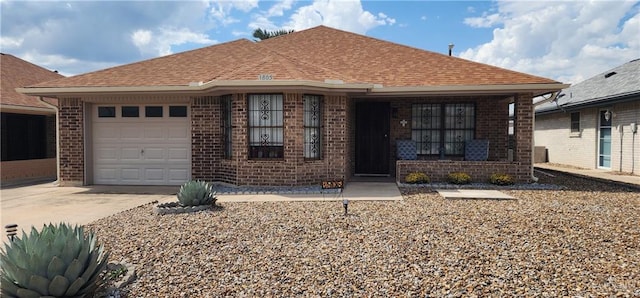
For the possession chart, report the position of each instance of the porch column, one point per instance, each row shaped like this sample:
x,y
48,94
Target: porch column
x,y
71,142
524,135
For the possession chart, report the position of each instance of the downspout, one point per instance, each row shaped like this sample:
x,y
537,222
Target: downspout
x,y
553,97
57,182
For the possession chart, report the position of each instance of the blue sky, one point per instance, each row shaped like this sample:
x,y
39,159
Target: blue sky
x,y
563,40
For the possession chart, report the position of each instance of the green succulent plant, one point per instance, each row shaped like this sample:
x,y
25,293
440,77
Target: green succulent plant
x,y
59,261
196,193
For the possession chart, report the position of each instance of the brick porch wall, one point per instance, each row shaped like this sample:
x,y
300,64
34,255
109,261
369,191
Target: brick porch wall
x,y
71,142
206,138
480,171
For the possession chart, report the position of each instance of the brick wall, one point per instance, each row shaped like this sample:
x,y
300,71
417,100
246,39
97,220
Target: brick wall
x,y
71,124
206,138
19,170
523,130
480,171
208,161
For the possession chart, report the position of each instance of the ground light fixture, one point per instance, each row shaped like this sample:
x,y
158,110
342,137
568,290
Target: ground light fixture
x,y
345,204
12,230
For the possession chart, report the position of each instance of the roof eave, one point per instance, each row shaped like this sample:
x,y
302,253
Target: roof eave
x,y
598,102
506,89
249,85
196,88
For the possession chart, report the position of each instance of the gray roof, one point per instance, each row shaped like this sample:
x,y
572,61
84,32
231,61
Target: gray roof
x,y
615,85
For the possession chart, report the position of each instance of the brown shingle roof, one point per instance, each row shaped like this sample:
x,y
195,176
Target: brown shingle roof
x,y
19,73
315,54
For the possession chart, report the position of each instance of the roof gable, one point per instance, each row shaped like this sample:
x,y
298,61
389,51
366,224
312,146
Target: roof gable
x,y
19,73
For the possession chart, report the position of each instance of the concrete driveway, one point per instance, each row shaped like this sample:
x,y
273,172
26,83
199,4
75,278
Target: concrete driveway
x,y
36,205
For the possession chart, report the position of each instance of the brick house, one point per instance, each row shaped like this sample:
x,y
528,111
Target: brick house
x,y
28,124
594,124
319,104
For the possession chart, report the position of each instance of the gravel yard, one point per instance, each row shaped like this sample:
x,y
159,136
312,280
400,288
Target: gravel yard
x,y
581,241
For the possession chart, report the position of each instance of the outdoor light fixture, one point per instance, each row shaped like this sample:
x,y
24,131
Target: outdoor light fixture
x,y
607,115
12,230
345,204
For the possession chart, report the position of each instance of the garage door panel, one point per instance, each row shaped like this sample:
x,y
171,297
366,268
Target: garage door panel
x,y
154,174
141,151
178,154
154,133
178,133
106,154
131,133
178,175
130,174
154,154
130,154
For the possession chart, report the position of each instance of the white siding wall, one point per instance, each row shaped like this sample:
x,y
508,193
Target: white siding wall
x,y
581,150
629,157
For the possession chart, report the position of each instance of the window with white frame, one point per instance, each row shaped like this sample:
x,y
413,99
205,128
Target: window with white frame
x,y
436,127
312,126
266,126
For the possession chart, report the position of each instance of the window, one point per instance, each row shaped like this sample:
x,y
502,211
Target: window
x,y
130,111
23,137
177,111
226,109
106,112
442,126
575,122
312,123
153,112
266,129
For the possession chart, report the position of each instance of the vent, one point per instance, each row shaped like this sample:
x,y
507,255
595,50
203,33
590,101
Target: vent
x,y
610,74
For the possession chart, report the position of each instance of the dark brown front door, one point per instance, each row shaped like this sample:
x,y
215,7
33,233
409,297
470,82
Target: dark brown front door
x,y
372,138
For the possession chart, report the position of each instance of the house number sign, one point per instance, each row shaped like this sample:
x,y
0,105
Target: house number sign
x,y
265,77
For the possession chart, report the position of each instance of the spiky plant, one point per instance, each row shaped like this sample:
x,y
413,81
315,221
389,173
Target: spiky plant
x,y
196,193
59,261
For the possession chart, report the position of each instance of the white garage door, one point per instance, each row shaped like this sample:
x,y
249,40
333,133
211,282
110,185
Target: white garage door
x,y
141,144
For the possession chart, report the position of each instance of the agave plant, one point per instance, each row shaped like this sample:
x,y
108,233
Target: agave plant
x,y
59,261
196,193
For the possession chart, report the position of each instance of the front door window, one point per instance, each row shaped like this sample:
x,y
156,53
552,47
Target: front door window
x,y
604,140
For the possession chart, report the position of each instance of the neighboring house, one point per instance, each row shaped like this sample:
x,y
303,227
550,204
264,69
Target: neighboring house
x,y
594,124
28,124
298,109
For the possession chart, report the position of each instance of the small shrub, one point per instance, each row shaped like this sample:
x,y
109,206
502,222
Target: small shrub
x,y
417,178
459,178
501,179
196,193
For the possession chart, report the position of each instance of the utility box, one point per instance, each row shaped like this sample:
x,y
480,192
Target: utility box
x,y
540,154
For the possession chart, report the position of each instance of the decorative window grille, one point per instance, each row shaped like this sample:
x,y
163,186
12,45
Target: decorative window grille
x,y
266,129
312,125
225,102
442,128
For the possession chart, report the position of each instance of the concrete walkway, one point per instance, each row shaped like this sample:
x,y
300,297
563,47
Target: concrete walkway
x,y
602,175
39,204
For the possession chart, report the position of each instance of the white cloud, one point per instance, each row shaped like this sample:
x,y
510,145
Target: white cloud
x,y
279,8
341,14
221,10
65,65
424,18
10,42
485,21
566,41
160,44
